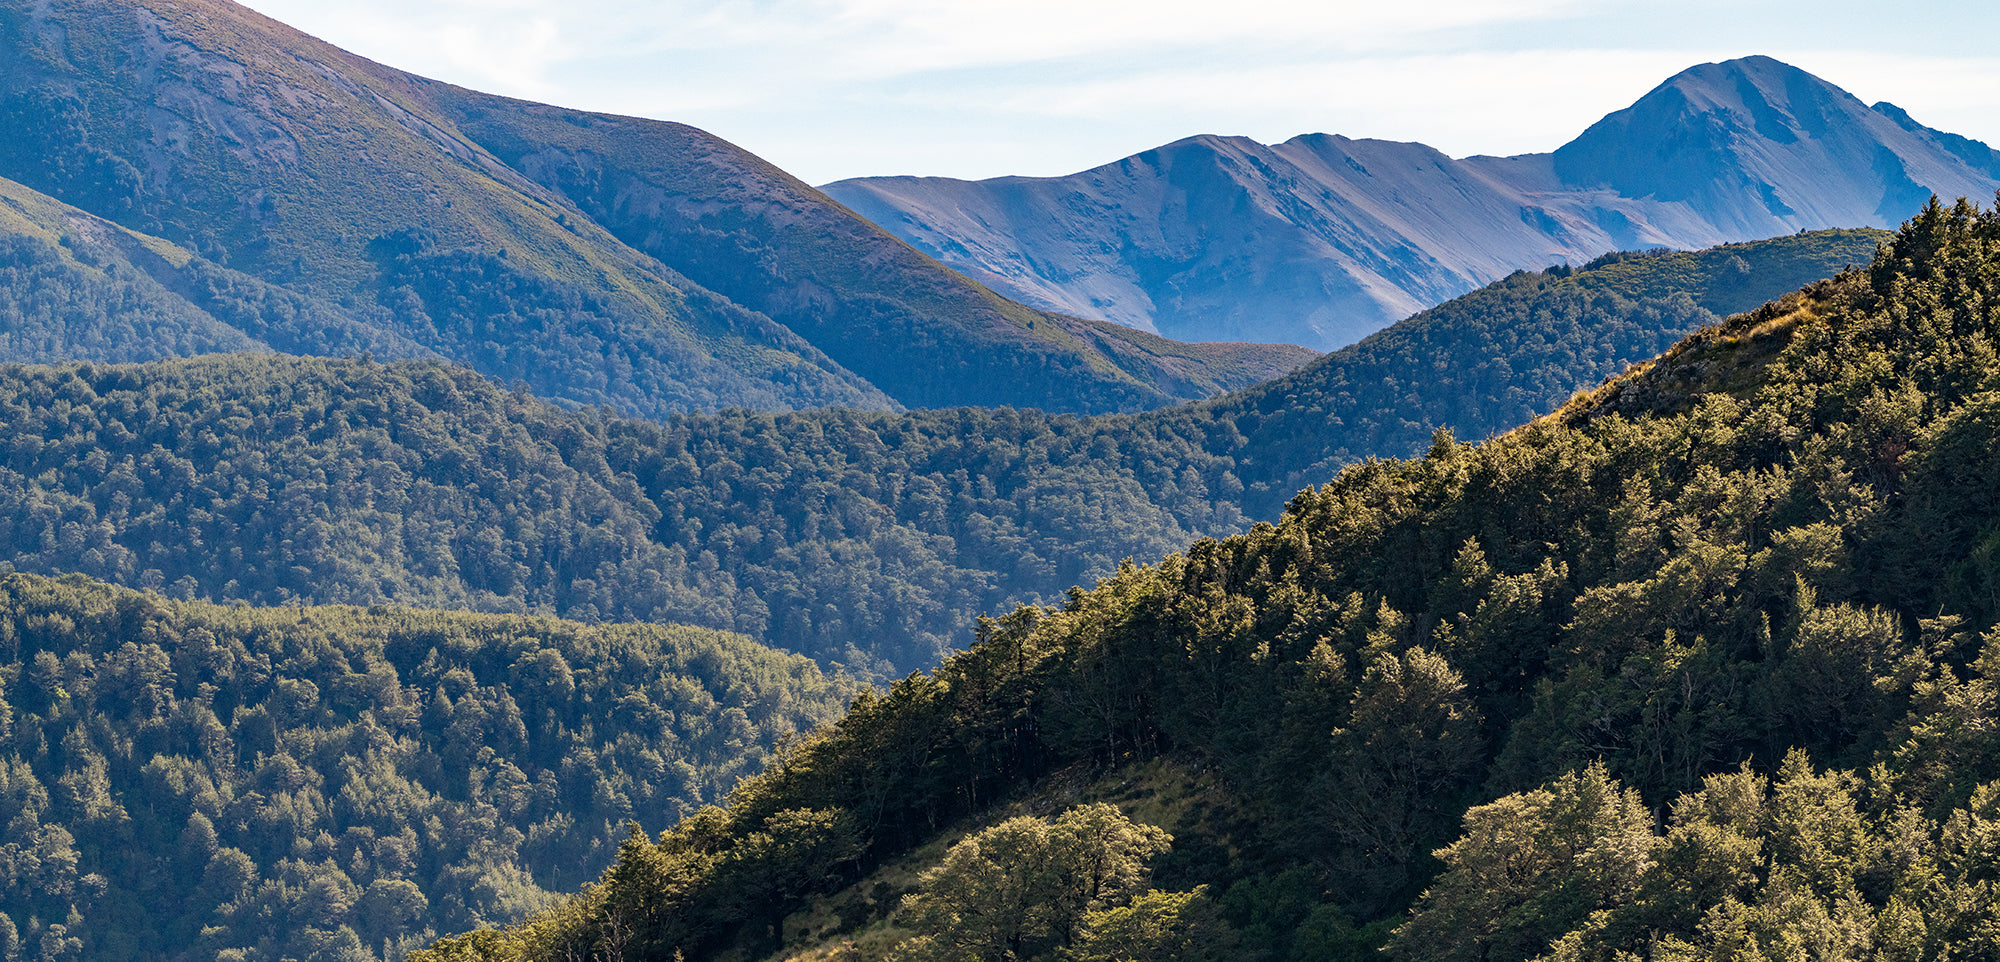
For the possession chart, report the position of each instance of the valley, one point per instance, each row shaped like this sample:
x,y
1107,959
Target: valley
x,y
866,539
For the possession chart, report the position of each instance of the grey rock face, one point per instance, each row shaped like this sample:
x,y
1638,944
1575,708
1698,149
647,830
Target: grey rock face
x,y
1322,239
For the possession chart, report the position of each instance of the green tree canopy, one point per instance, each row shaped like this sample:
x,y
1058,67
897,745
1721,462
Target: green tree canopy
x,y
1027,886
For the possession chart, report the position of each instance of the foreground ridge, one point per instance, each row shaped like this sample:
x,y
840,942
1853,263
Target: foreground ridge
x,y
1761,604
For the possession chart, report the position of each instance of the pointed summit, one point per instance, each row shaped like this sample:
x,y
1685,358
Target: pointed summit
x,y
1758,147
1323,239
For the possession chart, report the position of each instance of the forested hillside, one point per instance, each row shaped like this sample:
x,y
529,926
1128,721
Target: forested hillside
x,y
849,536
1491,360
74,287
186,781
1701,666
871,539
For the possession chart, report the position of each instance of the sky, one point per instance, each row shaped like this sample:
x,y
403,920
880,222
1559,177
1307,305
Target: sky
x,y
830,89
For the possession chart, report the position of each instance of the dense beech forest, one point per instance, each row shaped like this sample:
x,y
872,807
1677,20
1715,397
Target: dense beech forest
x,y
1491,360
865,538
1703,665
86,298
181,780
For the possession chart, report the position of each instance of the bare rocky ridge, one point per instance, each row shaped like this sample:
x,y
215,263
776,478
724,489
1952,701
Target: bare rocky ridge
x,y
1323,239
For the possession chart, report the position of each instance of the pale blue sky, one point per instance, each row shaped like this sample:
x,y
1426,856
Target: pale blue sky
x,y
829,89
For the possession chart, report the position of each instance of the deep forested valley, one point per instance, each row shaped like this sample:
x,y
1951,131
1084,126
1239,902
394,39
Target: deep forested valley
x,y
863,538
1702,665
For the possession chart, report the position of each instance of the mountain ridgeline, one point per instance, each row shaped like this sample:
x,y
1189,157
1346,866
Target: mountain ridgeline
x,y
1324,239
864,538
1704,664
264,187
1491,360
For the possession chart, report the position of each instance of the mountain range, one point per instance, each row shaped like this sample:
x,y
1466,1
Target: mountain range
x,y
263,190
1323,239
643,265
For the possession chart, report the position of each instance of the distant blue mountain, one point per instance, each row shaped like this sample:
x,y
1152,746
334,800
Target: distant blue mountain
x,y
1321,240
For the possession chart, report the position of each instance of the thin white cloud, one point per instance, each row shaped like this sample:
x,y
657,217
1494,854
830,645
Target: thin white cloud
x,y
504,46
1459,103
889,36
838,88
900,37
517,54
868,39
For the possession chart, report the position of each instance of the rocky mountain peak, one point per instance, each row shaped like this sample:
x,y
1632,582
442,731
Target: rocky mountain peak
x,y
1322,239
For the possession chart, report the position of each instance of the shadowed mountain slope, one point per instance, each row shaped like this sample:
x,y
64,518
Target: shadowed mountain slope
x,y
261,149
733,222
258,147
1323,239
76,287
